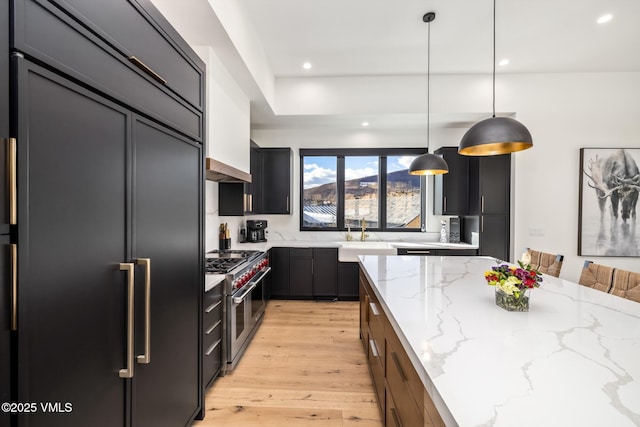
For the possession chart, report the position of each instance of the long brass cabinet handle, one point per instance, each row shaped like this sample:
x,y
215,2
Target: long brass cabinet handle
x,y
144,67
146,357
13,182
14,286
129,268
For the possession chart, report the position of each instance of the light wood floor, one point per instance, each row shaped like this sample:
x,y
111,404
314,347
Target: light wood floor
x,y
304,367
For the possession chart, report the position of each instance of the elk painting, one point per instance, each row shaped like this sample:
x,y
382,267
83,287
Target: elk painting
x,y
609,187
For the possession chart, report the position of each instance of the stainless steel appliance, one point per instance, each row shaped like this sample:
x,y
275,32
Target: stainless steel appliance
x,y
256,230
245,273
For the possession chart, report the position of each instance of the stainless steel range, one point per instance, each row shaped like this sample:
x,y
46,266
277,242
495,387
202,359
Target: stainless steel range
x,y
245,273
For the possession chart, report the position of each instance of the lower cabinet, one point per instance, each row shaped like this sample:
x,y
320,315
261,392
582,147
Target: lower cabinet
x,y
401,395
312,273
212,332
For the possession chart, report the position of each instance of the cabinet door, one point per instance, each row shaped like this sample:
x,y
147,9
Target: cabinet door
x,y
276,181
325,273
5,326
232,199
451,190
279,272
495,177
72,207
348,280
301,273
494,236
167,177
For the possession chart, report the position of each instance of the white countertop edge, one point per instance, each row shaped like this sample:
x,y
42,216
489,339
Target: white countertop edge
x,y
438,402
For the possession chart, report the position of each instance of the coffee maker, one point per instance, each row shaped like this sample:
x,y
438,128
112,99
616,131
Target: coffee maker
x,y
256,230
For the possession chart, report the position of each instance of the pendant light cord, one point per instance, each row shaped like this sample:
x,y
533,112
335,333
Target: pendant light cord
x,y
428,82
494,58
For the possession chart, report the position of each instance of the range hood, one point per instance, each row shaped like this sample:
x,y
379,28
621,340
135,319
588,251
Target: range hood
x,y
220,172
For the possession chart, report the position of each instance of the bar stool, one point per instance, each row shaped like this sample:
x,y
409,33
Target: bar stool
x,y
545,263
626,284
596,276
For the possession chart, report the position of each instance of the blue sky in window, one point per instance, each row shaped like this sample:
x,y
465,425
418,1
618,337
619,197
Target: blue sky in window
x,y
319,170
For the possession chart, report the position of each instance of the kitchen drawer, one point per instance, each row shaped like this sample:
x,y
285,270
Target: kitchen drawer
x,y
402,412
376,364
212,333
46,33
212,361
402,378
364,316
212,314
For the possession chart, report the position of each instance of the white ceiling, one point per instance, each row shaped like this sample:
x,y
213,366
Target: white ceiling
x,y
388,37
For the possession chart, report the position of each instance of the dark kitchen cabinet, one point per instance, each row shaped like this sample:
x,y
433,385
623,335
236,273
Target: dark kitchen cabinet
x,y
490,204
279,260
269,191
110,205
275,181
212,339
301,273
348,280
5,282
451,190
325,273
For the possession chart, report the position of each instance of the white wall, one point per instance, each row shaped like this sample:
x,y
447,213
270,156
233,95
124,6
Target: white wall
x,y
564,112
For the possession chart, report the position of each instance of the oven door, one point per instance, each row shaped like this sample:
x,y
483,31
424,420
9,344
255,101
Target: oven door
x,y
258,301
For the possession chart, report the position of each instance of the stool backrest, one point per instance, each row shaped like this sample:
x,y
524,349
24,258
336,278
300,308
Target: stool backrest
x,y
596,276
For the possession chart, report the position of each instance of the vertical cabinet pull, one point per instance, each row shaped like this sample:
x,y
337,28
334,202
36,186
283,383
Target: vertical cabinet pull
x,y
146,357
396,419
445,204
287,204
13,183
374,309
129,268
482,204
14,286
394,356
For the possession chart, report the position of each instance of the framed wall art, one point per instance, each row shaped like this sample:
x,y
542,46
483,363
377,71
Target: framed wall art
x,y
609,187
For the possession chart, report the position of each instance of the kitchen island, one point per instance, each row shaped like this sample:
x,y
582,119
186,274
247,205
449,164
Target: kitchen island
x,y
572,360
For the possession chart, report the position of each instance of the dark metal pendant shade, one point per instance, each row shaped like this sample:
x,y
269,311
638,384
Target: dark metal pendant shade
x,y
494,136
428,164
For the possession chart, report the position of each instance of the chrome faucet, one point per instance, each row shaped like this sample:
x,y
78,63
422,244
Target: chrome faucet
x,y
363,233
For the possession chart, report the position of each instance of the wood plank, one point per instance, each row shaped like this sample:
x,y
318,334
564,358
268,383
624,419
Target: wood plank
x,y
304,367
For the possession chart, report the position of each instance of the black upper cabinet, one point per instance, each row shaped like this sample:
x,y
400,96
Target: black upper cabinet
x,y
84,48
275,181
269,191
451,190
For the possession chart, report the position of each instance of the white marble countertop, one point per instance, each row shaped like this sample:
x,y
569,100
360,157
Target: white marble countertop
x,y
572,360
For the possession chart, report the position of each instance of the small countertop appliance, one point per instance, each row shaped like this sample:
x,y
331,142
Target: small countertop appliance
x,y
256,230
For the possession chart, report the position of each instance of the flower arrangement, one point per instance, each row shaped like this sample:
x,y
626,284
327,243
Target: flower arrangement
x,y
512,284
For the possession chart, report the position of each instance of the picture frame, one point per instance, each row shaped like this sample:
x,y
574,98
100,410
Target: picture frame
x,y
608,195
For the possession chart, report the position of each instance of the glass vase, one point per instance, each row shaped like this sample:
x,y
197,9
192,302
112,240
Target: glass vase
x,y
511,302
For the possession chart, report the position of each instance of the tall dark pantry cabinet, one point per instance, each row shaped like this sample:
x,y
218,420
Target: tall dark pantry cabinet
x,y
106,110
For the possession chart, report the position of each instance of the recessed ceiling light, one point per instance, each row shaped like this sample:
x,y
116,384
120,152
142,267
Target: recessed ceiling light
x,y
605,18
365,124
503,62
306,65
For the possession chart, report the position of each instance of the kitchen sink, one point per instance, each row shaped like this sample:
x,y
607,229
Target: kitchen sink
x,y
349,251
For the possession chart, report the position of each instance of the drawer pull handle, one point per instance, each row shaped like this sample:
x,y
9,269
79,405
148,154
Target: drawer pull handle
x,y
215,325
213,347
374,309
394,356
417,252
144,67
374,348
396,418
212,306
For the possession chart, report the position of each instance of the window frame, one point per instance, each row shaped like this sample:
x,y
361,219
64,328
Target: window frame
x,y
382,154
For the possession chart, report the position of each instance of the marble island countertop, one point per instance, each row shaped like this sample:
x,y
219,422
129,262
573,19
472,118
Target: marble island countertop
x,y
572,360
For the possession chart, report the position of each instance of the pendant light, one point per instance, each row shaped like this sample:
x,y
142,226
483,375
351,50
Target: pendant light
x,y
428,164
496,135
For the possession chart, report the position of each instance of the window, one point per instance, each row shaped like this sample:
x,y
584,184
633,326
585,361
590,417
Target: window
x,y
341,188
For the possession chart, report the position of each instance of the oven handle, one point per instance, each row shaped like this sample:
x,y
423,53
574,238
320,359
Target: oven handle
x,y
264,272
240,298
